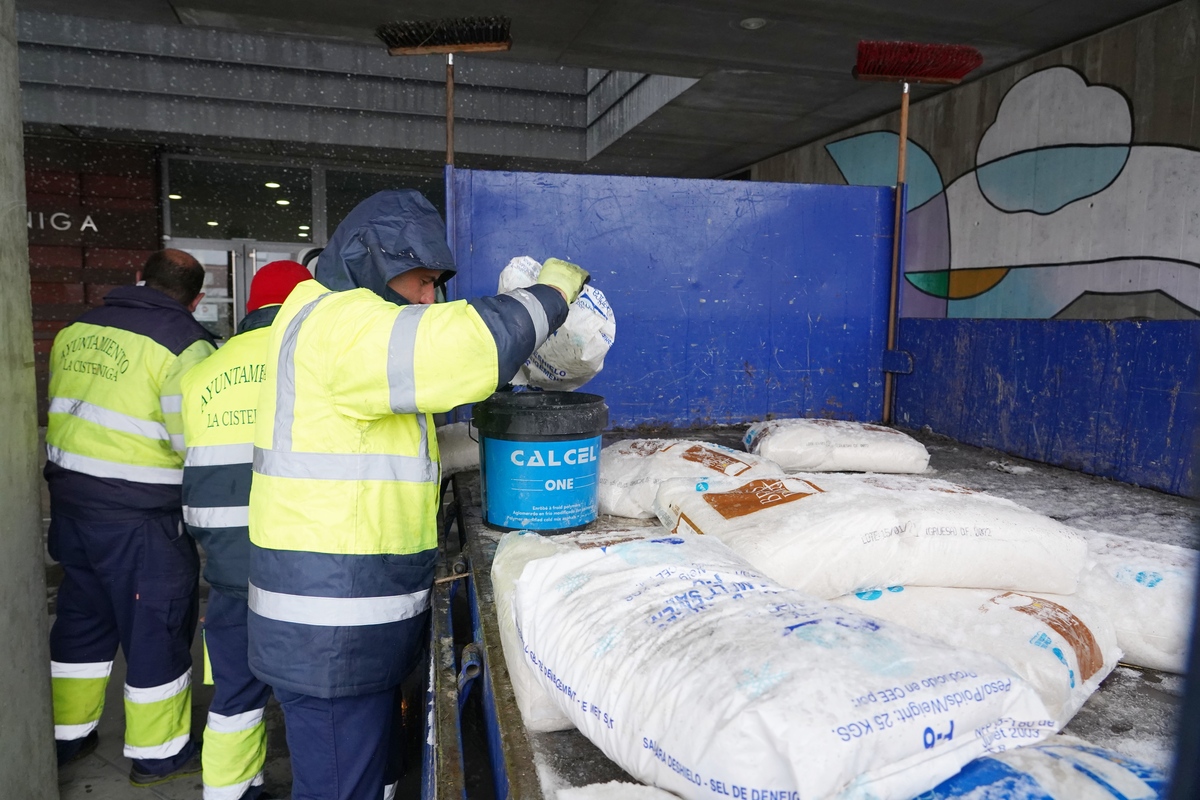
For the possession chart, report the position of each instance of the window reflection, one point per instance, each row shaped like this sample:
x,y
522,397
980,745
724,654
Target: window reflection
x,y
230,200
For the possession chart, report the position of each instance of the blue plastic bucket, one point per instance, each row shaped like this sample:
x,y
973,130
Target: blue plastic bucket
x,y
539,458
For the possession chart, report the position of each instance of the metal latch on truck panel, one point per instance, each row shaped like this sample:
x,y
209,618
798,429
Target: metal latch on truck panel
x,y
899,362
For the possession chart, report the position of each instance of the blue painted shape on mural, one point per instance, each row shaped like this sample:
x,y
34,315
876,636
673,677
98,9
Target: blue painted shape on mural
x,y
988,777
733,300
870,159
1046,179
1117,399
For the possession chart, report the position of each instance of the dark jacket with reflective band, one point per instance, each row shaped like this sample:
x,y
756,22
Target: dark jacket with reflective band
x,y
344,500
220,398
115,436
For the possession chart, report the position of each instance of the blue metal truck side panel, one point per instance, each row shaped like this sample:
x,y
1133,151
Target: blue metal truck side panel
x,y
1117,399
733,300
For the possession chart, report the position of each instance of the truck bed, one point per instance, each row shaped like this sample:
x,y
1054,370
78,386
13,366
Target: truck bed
x,y
1133,712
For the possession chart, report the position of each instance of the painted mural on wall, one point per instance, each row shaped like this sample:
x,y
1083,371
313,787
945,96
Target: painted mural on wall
x,y
1064,215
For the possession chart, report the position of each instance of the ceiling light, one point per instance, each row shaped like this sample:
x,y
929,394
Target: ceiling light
x,y
283,202
753,23
174,197
303,227
271,185
212,223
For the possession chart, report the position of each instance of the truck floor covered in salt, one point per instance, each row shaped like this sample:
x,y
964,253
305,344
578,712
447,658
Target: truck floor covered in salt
x,y
1134,711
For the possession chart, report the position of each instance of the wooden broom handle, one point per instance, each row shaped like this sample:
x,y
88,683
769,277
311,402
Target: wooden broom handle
x,y
894,286
450,109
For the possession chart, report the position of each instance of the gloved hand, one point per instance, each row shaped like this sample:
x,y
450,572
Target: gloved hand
x,y
568,278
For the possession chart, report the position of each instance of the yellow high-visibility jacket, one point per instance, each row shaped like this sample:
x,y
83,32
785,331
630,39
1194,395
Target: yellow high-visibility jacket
x,y
114,440
220,401
345,494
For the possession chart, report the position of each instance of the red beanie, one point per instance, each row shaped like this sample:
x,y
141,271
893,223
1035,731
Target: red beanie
x,y
274,282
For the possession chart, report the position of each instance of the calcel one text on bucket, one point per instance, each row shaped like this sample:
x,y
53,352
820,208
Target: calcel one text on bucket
x,y
536,458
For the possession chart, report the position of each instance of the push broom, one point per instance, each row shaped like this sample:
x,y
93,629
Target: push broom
x,y
449,36
905,63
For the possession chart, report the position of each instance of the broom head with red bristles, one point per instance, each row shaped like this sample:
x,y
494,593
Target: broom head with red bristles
x,y
915,62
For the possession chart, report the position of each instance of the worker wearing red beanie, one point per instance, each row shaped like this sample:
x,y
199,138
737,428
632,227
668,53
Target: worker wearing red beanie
x,y
220,398
274,282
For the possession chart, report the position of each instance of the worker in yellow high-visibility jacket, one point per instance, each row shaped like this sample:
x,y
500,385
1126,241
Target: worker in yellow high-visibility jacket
x,y
219,401
114,464
344,499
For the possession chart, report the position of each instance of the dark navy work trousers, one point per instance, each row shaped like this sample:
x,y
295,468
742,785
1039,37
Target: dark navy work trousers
x,y
132,584
235,737
339,745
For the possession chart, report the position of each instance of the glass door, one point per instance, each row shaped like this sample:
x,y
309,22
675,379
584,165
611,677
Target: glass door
x,y
229,266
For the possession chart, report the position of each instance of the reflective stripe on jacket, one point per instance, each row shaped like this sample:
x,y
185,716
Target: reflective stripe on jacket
x,y
114,440
344,499
220,397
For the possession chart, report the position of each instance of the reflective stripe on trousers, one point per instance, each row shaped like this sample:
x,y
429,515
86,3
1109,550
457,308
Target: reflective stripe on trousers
x,y
235,751
158,718
78,697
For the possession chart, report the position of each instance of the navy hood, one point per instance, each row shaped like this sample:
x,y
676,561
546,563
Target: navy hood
x,y
384,236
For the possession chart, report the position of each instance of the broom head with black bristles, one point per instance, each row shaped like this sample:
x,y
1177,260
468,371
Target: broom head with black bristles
x,y
915,62
462,35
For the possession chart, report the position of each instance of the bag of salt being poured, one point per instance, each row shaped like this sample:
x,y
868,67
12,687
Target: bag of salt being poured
x,y
574,354
699,675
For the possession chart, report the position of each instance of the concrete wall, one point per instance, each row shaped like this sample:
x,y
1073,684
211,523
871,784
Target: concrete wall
x,y
26,729
1065,187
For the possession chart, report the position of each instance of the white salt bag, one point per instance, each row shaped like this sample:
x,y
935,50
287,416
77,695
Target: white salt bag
x,y
833,534
1060,768
516,549
630,471
699,675
457,451
829,445
1148,589
538,709
614,790
574,354
1062,646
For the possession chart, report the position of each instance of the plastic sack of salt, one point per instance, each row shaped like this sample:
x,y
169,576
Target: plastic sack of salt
x,y
698,674
631,470
1060,768
1147,588
1062,645
831,534
829,445
574,354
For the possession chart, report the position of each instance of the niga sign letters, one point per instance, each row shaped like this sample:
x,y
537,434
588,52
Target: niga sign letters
x,y
60,221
